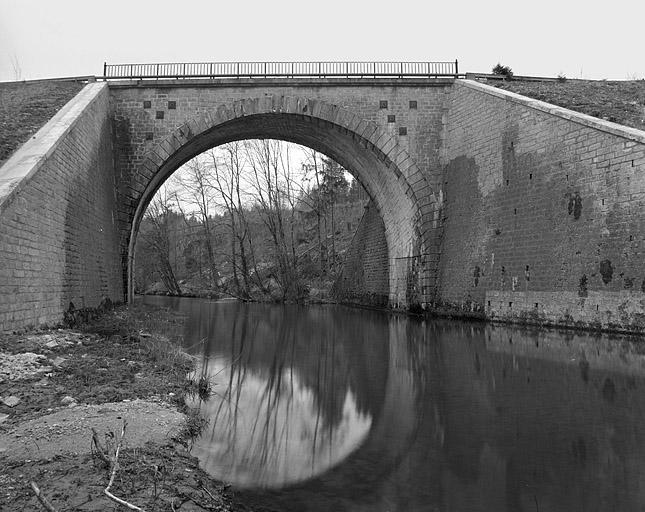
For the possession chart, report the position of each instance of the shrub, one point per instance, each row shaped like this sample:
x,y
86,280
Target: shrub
x,y
503,71
562,78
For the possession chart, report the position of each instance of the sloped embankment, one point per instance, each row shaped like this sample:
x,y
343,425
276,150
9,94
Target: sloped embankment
x,y
620,102
26,106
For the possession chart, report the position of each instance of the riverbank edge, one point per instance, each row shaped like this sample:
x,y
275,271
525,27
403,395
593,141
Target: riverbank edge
x,y
473,312
156,476
533,319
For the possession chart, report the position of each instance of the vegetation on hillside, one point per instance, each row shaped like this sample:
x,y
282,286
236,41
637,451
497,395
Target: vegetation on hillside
x,y
621,102
26,107
253,219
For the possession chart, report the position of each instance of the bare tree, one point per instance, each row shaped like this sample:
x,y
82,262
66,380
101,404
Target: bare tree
x,y
198,193
246,210
271,182
227,166
312,198
158,217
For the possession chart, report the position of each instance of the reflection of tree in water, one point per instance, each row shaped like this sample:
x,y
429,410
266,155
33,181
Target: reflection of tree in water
x,y
293,394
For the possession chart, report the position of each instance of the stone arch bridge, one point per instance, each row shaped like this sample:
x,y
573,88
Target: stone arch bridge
x,y
484,202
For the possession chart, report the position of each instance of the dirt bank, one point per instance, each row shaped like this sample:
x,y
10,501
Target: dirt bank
x,y
56,386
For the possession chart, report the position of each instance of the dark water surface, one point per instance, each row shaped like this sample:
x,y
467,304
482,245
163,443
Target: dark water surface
x,y
326,408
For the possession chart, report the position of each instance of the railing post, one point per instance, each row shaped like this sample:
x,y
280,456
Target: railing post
x,y
456,68
104,69
238,70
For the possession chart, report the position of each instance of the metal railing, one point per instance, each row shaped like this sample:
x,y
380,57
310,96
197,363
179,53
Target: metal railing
x,y
281,70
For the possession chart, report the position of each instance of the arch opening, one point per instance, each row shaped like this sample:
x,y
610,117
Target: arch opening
x,y
258,220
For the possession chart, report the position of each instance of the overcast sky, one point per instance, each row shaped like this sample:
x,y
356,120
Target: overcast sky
x,y
54,38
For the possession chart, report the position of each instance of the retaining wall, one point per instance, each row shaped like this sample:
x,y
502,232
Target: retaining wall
x,y
58,240
543,213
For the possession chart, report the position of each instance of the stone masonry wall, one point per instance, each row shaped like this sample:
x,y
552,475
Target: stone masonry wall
x,y
364,279
542,208
543,213
58,239
147,116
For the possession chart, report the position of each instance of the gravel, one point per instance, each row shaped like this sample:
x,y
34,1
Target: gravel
x,y
21,366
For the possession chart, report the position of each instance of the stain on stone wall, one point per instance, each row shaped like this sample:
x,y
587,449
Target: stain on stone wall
x,y
606,271
575,205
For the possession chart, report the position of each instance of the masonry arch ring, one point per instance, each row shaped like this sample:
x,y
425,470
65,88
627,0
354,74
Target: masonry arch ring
x,y
398,188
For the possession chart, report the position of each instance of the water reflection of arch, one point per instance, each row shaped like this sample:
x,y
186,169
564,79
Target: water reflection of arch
x,y
353,343
394,394
500,426
505,418
387,444
297,333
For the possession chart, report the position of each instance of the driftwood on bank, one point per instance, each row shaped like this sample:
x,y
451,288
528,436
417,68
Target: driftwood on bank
x,y
115,467
113,464
42,500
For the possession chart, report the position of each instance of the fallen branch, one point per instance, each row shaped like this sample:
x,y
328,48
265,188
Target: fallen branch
x,y
208,492
43,501
115,466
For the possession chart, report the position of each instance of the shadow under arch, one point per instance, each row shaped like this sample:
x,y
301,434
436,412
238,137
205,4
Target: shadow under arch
x,y
397,186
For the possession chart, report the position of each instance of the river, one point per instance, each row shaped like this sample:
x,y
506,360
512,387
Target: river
x,y
328,408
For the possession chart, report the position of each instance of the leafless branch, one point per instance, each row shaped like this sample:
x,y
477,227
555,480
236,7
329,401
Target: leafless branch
x,y
115,466
43,501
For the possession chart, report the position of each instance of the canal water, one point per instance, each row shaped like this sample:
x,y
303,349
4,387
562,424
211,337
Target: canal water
x,y
327,408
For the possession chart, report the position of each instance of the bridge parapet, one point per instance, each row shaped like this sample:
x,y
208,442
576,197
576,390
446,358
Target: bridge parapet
x,y
58,239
